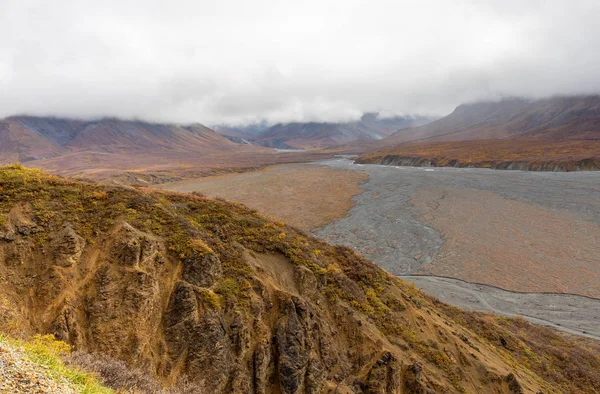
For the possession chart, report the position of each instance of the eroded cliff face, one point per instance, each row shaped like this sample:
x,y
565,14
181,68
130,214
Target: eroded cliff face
x,y
417,161
125,297
189,287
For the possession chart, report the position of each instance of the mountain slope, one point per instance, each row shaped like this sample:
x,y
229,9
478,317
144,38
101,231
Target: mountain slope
x,y
115,135
320,135
183,285
18,143
243,132
521,154
36,366
557,118
129,151
556,134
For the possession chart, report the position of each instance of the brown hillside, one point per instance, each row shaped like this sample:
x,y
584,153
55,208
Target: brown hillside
x,y
20,144
499,154
555,134
184,285
130,151
557,118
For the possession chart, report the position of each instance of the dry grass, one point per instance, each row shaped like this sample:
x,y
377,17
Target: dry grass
x,y
115,374
158,167
41,366
489,153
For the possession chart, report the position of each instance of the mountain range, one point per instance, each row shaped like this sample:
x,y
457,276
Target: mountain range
x,y
127,150
133,151
314,135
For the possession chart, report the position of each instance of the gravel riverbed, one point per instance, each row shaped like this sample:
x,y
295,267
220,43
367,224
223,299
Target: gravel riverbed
x,y
519,234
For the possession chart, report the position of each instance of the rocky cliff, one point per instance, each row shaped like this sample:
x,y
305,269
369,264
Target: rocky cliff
x,y
187,287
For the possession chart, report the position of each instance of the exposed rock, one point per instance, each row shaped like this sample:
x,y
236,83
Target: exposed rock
x,y
385,376
134,248
306,281
66,327
292,352
209,352
261,365
68,247
513,384
202,270
7,236
413,380
197,338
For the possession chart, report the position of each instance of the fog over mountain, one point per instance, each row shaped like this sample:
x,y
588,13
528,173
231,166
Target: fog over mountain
x,y
239,62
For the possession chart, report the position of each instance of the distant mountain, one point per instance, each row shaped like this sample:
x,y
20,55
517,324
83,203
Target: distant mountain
x,y
320,135
554,134
26,138
556,118
242,132
131,151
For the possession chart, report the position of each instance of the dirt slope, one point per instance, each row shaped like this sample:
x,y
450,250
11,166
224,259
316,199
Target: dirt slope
x,y
183,285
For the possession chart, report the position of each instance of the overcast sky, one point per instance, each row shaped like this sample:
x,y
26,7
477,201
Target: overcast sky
x,y
242,61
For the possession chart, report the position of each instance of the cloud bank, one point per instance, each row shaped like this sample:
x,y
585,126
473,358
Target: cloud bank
x,y
238,61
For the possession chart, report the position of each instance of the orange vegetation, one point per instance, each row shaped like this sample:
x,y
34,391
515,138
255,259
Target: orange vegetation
x,y
536,154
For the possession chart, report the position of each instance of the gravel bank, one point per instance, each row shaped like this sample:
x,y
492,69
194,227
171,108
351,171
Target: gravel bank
x,y
20,375
393,223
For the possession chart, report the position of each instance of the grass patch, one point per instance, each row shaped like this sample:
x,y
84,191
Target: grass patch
x,y
48,352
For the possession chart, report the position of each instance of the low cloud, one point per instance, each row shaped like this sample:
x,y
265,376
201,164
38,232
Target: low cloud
x,y
237,62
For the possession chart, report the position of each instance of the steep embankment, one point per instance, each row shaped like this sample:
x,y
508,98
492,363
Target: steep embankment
x,y
183,285
524,155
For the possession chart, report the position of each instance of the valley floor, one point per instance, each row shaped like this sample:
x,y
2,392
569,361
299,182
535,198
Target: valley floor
x,y
302,196
526,232
571,313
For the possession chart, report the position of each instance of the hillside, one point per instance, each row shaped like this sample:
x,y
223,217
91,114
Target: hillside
x,y
545,134
321,135
129,151
557,118
183,285
571,155
54,136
